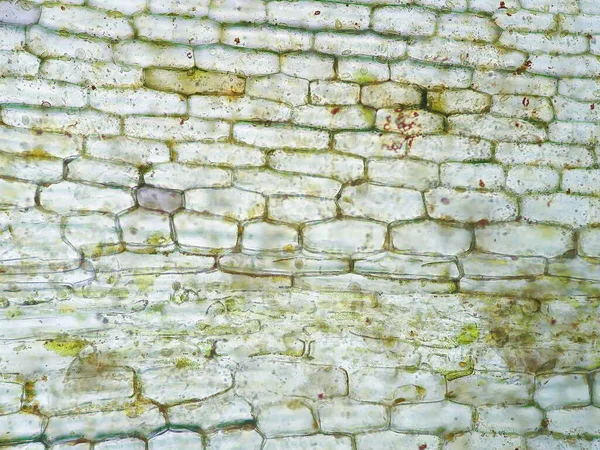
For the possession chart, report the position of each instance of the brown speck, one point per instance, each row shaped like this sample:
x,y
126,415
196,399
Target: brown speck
x,y
368,321
334,111
548,203
237,40
569,191
93,88
445,201
592,106
66,133
502,5
517,124
525,101
553,322
317,13
63,8
321,396
415,114
482,222
481,183
422,446
38,132
526,65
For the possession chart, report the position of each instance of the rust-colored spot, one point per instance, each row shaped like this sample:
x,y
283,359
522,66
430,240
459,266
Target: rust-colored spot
x,y
422,446
502,5
592,106
553,322
236,40
415,114
481,183
445,201
482,222
317,13
395,147
336,110
548,203
321,395
523,67
517,124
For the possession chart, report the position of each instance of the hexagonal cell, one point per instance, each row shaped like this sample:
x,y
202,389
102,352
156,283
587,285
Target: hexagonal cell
x,y
204,235
94,234
157,199
146,230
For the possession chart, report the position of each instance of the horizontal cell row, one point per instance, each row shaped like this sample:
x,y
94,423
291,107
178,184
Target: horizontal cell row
x,y
250,139
415,401
256,60
144,228
335,104
403,19
287,168
366,200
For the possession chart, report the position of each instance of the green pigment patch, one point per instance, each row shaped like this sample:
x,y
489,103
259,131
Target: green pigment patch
x,y
157,238
467,368
468,334
185,363
65,346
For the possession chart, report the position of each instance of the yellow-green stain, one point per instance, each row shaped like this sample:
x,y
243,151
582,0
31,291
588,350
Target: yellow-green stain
x,y
185,363
65,346
361,77
144,283
467,368
13,313
158,238
29,391
469,333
